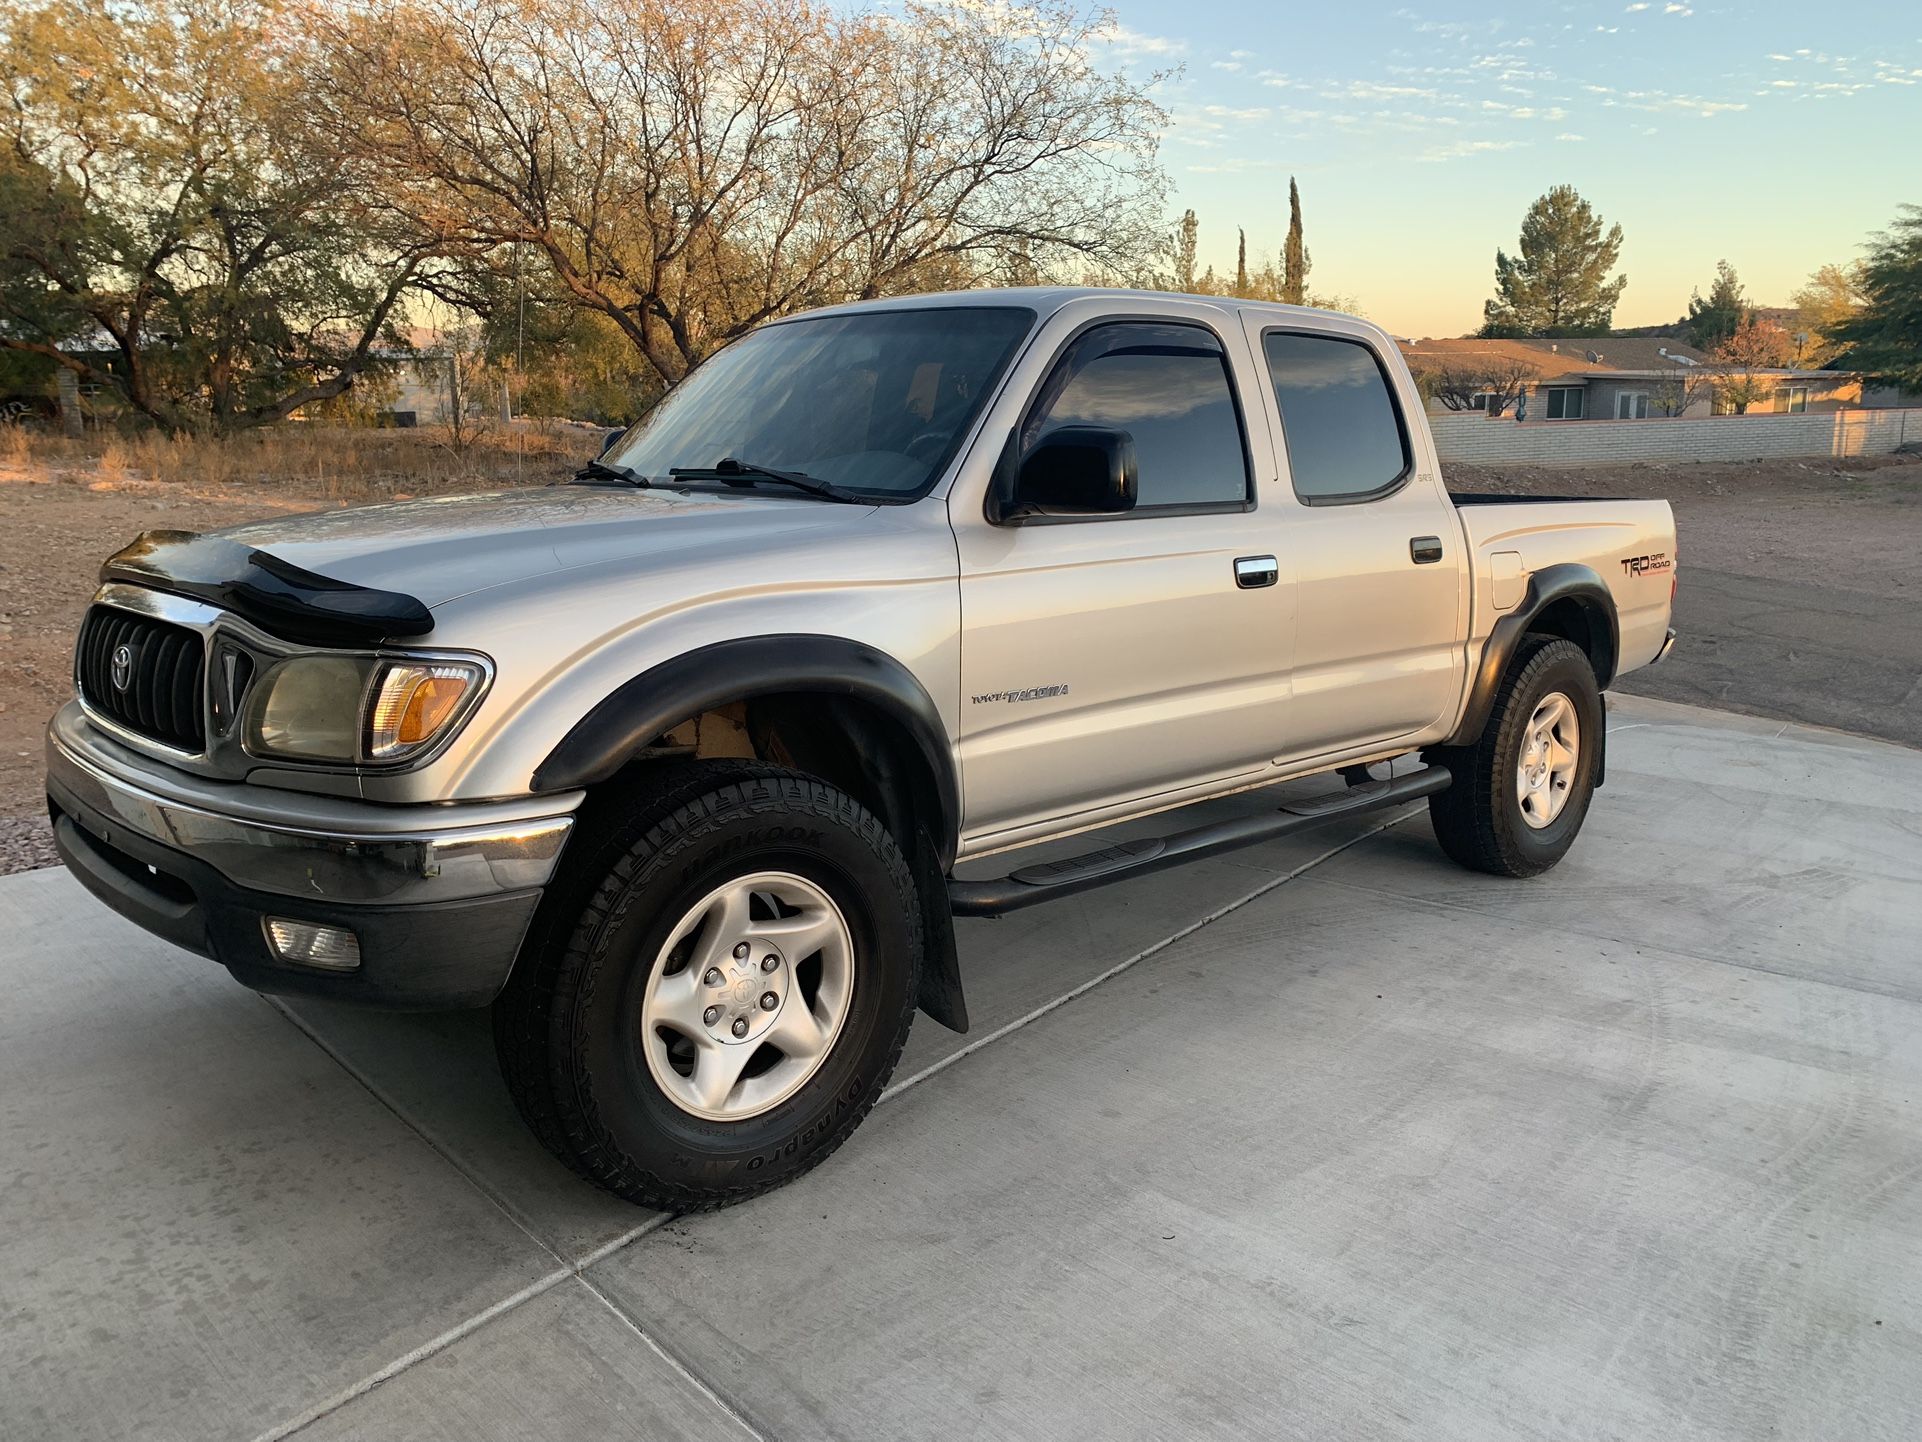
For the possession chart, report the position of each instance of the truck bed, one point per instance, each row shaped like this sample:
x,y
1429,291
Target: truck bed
x,y
1630,545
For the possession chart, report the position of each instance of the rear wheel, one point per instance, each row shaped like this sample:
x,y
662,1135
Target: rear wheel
x,y
1522,789
715,1002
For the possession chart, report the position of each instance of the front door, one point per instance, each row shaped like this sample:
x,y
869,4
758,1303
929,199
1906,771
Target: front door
x,y
1109,659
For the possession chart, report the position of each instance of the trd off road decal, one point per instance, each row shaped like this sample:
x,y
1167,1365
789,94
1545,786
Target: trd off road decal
x,y
1647,565
1032,693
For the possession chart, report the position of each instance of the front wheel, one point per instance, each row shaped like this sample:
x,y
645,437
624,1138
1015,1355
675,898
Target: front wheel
x,y
1521,790
716,1002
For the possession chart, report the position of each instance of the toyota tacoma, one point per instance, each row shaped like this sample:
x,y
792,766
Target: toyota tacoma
x,y
672,765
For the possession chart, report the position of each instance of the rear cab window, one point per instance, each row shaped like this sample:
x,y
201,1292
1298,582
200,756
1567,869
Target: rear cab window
x,y
1346,438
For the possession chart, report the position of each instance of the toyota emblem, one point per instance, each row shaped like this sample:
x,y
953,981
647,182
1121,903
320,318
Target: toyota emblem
x,y
122,674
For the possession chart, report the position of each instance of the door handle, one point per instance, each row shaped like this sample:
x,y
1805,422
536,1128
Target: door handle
x,y
1424,550
1254,572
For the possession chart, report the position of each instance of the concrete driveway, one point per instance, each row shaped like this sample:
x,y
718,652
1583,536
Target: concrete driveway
x,y
1324,1139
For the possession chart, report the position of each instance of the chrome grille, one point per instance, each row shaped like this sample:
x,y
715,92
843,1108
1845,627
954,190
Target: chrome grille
x,y
144,674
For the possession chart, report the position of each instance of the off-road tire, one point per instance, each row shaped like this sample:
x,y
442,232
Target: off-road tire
x,y
627,879
1478,819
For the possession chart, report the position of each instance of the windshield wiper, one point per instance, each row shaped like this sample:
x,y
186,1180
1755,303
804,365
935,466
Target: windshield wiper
x,y
598,470
744,473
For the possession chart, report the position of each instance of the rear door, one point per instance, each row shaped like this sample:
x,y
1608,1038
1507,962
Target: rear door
x,y
1109,659
1382,574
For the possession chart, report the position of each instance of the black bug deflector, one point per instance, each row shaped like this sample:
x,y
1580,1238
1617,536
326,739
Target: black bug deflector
x,y
276,595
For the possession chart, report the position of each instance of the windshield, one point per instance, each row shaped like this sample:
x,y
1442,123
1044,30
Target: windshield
x,y
875,401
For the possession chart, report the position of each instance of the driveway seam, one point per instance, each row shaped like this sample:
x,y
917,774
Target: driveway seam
x,y
430,1348
700,1383
935,1068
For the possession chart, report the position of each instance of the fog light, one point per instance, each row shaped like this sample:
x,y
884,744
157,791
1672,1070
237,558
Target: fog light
x,y
306,943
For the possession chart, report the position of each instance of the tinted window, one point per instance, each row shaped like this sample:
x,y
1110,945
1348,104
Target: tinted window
x,y
1167,386
872,401
1342,427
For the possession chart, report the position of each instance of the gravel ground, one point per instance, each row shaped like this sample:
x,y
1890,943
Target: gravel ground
x,y
1798,580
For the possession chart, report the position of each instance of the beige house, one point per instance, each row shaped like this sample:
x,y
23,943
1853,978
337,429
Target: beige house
x,y
1604,378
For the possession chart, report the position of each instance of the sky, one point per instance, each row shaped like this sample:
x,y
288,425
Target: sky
x,y
1780,134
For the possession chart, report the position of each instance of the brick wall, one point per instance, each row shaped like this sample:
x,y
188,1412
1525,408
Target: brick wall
x,y
1478,440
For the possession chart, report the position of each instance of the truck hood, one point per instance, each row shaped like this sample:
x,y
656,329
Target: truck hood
x,y
444,547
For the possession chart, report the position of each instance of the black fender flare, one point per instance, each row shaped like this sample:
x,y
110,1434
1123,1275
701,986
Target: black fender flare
x,y
638,711
1565,581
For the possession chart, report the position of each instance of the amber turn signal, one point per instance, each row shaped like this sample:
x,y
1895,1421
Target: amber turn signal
x,y
413,703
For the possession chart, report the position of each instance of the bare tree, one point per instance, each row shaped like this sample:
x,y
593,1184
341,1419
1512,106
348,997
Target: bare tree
x,y
1492,386
691,168
1679,387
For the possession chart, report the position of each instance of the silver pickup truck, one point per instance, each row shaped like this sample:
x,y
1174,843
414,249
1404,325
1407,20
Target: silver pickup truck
x,y
672,765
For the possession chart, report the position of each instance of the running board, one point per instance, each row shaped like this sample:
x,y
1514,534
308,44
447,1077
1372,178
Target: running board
x,y
1032,885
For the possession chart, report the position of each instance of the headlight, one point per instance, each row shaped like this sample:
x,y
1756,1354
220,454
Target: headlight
x,y
349,709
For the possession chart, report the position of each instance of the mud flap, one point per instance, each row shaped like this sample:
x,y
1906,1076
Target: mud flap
x,y
941,996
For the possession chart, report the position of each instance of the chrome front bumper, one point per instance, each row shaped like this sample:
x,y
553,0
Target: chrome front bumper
x,y
348,851
437,898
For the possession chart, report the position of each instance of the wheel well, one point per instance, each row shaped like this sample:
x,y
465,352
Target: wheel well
x,y
1576,620
848,742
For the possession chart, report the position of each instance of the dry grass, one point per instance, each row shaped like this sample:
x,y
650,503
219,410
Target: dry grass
x,y
16,446
336,463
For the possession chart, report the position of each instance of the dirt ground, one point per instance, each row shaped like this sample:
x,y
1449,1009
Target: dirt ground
x,y
1799,582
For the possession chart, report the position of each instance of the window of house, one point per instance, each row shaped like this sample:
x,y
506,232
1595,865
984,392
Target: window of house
x,y
1564,403
1344,431
1631,405
1482,401
1791,400
1168,387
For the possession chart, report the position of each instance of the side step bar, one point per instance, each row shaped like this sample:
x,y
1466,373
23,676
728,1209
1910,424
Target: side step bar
x,y
1032,885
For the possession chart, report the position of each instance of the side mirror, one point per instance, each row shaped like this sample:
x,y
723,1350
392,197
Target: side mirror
x,y
607,442
1074,471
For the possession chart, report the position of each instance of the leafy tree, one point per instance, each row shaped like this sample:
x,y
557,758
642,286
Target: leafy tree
x,y
1711,322
170,229
691,168
1294,255
1884,341
1558,283
1831,298
1182,246
1757,346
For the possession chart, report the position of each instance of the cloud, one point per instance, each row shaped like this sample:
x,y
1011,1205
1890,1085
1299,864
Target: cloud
x,y
1676,10
1231,66
1638,5
1463,148
1661,100
1122,40
1566,136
